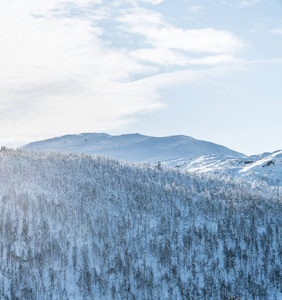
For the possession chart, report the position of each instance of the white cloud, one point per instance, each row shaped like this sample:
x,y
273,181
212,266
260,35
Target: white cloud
x,y
168,79
195,8
276,30
166,57
59,74
162,35
264,61
248,3
160,56
137,2
153,2
214,60
137,17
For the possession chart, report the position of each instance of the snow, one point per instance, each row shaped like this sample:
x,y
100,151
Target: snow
x,y
263,167
179,151
74,226
133,147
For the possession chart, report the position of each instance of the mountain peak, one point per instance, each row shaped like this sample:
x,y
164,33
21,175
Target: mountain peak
x,y
133,147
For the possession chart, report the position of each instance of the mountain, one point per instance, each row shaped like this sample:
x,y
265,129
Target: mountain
x,y
134,147
179,151
263,167
77,227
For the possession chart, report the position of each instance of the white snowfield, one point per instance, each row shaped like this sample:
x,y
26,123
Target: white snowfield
x,y
133,147
266,166
173,151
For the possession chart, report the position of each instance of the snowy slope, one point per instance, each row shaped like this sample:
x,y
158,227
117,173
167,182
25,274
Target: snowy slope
x,y
174,151
78,227
265,166
133,147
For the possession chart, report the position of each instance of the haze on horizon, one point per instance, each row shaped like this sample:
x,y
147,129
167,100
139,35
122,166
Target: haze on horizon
x,y
207,70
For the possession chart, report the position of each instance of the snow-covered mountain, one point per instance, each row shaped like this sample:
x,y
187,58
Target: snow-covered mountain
x,y
134,147
173,151
79,227
266,166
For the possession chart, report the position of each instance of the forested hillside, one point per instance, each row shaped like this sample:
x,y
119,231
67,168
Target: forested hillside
x,y
79,227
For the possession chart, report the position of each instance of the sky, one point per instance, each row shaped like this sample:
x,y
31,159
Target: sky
x,y
207,69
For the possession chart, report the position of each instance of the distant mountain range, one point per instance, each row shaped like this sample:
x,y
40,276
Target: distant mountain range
x,y
134,147
173,151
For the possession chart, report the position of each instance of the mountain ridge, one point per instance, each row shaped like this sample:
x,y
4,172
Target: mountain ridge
x,y
133,147
265,166
177,151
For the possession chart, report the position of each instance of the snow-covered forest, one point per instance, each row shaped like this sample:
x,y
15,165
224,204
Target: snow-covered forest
x,y
75,226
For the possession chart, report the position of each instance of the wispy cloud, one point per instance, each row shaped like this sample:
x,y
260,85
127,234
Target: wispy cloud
x,y
248,3
215,60
277,30
60,73
195,8
153,2
160,34
166,57
169,79
160,56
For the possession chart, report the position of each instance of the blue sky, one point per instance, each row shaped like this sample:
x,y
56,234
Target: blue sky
x,y
207,69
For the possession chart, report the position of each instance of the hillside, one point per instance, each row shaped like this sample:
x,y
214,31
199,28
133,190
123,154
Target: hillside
x,y
77,227
175,151
133,147
265,167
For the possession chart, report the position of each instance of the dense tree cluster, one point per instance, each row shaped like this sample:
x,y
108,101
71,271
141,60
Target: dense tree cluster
x,y
83,227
